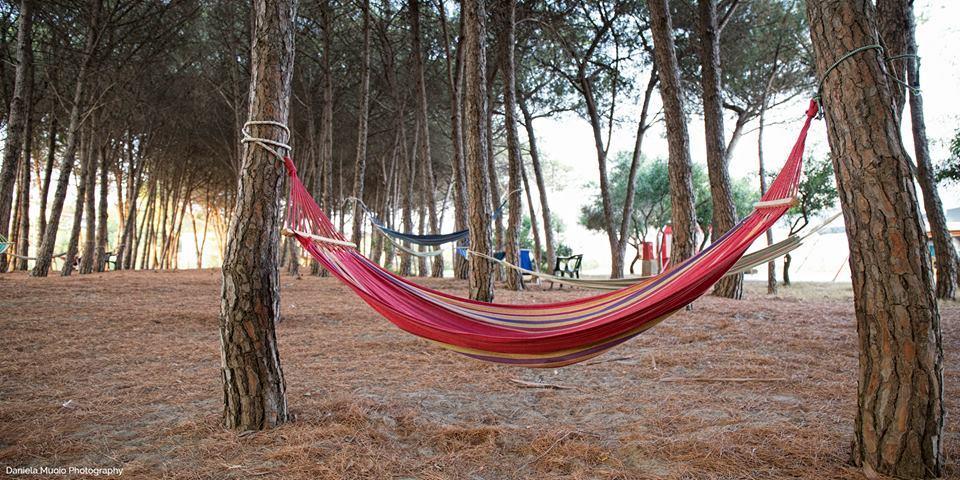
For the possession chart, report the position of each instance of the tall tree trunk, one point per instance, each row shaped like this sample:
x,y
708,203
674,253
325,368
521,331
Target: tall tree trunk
x,y
947,267
73,244
327,113
627,213
426,158
609,226
45,253
23,195
492,177
89,205
254,395
534,225
410,168
541,184
47,175
772,265
678,141
454,80
724,213
15,122
475,142
508,13
360,167
102,239
899,424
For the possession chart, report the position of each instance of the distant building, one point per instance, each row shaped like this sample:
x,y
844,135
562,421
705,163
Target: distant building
x,y
953,225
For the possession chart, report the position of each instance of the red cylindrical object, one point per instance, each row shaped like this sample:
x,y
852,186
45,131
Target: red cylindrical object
x,y
647,251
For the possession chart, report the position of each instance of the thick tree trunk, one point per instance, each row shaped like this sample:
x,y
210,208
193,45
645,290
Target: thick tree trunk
x,y
507,12
45,253
15,123
724,213
253,384
541,184
678,141
947,266
475,142
363,116
899,425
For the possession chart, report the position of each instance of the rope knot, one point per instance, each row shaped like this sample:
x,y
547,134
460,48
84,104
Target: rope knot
x,y
813,109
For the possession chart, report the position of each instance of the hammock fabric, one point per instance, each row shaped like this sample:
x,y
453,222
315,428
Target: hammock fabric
x,y
433,240
543,335
745,264
425,240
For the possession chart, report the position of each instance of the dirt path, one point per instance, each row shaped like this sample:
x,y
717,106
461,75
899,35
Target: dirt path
x,y
122,369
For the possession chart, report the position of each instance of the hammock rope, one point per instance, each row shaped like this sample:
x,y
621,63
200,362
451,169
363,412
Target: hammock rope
x,y
429,240
535,335
914,89
745,264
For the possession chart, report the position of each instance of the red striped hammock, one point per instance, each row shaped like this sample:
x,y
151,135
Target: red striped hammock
x,y
541,335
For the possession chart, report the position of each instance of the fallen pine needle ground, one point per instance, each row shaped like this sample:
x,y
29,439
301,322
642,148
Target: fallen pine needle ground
x,y
122,370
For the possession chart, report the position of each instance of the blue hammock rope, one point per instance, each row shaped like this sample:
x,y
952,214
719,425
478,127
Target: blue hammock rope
x,y
433,240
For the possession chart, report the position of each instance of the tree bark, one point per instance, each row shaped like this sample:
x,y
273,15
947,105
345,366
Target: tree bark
x,y
73,244
678,140
426,158
724,213
475,142
899,424
892,24
508,13
534,225
454,69
363,116
627,213
406,260
772,265
23,195
15,122
102,239
947,267
47,175
541,183
253,384
89,205
45,253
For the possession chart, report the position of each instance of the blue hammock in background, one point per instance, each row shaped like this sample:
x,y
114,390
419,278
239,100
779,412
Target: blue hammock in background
x,y
425,240
433,240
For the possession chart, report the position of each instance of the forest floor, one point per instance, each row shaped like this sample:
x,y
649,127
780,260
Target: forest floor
x,y
122,370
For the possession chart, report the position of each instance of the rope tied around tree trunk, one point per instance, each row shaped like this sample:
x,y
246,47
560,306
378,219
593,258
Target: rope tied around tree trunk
x,y
914,89
268,144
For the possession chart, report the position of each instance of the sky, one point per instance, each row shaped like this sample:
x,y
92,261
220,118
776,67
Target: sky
x,y
567,141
